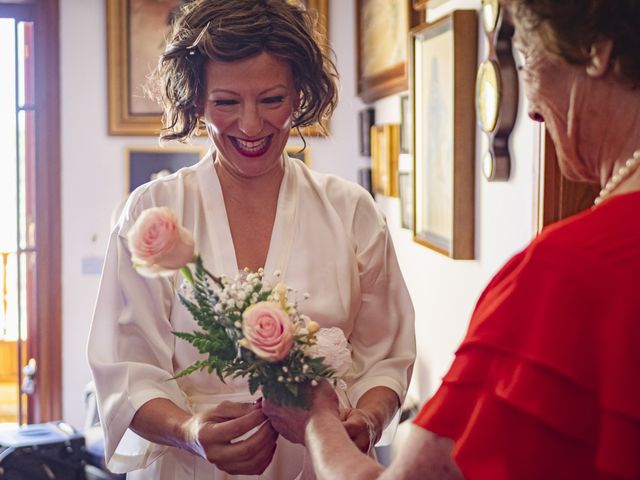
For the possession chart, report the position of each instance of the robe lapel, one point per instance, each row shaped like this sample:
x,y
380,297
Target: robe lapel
x,y
284,226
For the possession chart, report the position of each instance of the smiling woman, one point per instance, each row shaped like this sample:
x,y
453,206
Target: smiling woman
x,y
247,72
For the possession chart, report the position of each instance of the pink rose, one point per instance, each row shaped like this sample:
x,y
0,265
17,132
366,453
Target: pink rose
x,y
268,331
159,246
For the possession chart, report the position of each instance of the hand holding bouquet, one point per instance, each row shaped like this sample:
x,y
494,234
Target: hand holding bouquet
x,y
247,328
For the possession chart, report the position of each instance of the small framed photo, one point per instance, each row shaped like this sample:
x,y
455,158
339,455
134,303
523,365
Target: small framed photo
x,y
405,192
366,120
148,163
364,179
296,151
384,159
444,59
406,129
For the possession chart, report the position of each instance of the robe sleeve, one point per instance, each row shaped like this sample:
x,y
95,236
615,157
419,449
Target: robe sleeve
x,y
130,350
383,337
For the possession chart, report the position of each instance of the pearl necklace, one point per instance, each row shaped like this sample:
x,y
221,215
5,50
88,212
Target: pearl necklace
x,y
624,171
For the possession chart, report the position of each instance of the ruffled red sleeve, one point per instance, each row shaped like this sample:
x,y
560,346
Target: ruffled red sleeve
x,y
546,384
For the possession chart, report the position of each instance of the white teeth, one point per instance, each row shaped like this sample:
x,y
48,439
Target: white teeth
x,y
252,146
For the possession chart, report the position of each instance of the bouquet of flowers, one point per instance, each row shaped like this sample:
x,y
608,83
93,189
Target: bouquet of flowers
x,y
247,328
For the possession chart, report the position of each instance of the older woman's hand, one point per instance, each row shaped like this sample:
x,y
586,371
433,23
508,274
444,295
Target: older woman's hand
x,y
361,428
291,422
211,435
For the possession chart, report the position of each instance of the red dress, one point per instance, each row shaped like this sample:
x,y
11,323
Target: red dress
x,y
546,384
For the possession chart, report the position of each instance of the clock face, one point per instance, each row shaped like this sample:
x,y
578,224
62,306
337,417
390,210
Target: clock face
x,y
488,95
490,11
488,165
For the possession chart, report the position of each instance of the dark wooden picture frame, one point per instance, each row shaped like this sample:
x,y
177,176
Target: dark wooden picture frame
x,y
136,32
423,4
144,164
444,56
366,120
294,151
382,38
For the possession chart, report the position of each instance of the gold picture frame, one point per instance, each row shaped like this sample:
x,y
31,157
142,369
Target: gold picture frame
x,y
382,32
444,55
136,32
385,148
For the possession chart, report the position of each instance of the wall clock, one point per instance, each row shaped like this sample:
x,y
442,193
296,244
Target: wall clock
x,y
497,91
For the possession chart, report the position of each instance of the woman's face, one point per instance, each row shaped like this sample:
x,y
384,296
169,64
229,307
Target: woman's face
x,y
248,110
555,92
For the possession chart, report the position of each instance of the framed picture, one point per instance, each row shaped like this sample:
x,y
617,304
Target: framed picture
x,y
406,128
364,179
382,29
422,4
405,192
384,159
444,59
366,120
148,163
295,151
136,34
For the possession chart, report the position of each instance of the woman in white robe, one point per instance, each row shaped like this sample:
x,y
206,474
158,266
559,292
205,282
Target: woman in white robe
x,y
247,205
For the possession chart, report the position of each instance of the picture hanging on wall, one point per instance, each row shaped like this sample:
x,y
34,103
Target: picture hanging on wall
x,y
136,34
295,151
366,120
149,163
405,192
382,28
406,125
384,159
444,59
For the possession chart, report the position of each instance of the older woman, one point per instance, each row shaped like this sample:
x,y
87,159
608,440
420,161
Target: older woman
x,y
247,71
546,384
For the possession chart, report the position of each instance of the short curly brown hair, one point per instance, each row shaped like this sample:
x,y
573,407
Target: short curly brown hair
x,y
226,30
570,27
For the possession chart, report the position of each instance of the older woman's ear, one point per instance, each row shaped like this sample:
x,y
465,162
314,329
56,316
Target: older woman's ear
x,y
600,54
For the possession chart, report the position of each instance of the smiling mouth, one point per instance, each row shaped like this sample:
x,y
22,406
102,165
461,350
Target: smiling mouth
x,y
252,148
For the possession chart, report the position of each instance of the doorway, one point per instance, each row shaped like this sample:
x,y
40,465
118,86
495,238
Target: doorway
x,y
30,359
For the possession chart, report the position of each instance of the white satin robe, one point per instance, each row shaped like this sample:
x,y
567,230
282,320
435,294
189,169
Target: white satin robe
x,y
328,239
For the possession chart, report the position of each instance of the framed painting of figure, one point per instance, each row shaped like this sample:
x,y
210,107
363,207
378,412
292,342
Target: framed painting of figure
x,y
443,60
382,32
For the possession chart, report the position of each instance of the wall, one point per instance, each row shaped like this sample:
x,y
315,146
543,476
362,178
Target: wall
x,y
444,291
93,181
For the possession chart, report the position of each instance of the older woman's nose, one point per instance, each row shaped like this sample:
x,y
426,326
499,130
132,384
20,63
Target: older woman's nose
x,y
250,122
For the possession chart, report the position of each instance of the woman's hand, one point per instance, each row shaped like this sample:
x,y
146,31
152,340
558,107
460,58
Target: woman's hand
x,y
291,422
361,428
211,435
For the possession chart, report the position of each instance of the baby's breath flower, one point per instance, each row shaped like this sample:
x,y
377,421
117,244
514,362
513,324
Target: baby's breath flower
x,y
280,378
314,383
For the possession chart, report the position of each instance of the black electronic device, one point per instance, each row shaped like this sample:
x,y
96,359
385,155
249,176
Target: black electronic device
x,y
46,451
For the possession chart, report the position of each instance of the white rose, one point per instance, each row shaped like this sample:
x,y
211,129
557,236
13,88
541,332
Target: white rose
x,y
334,347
